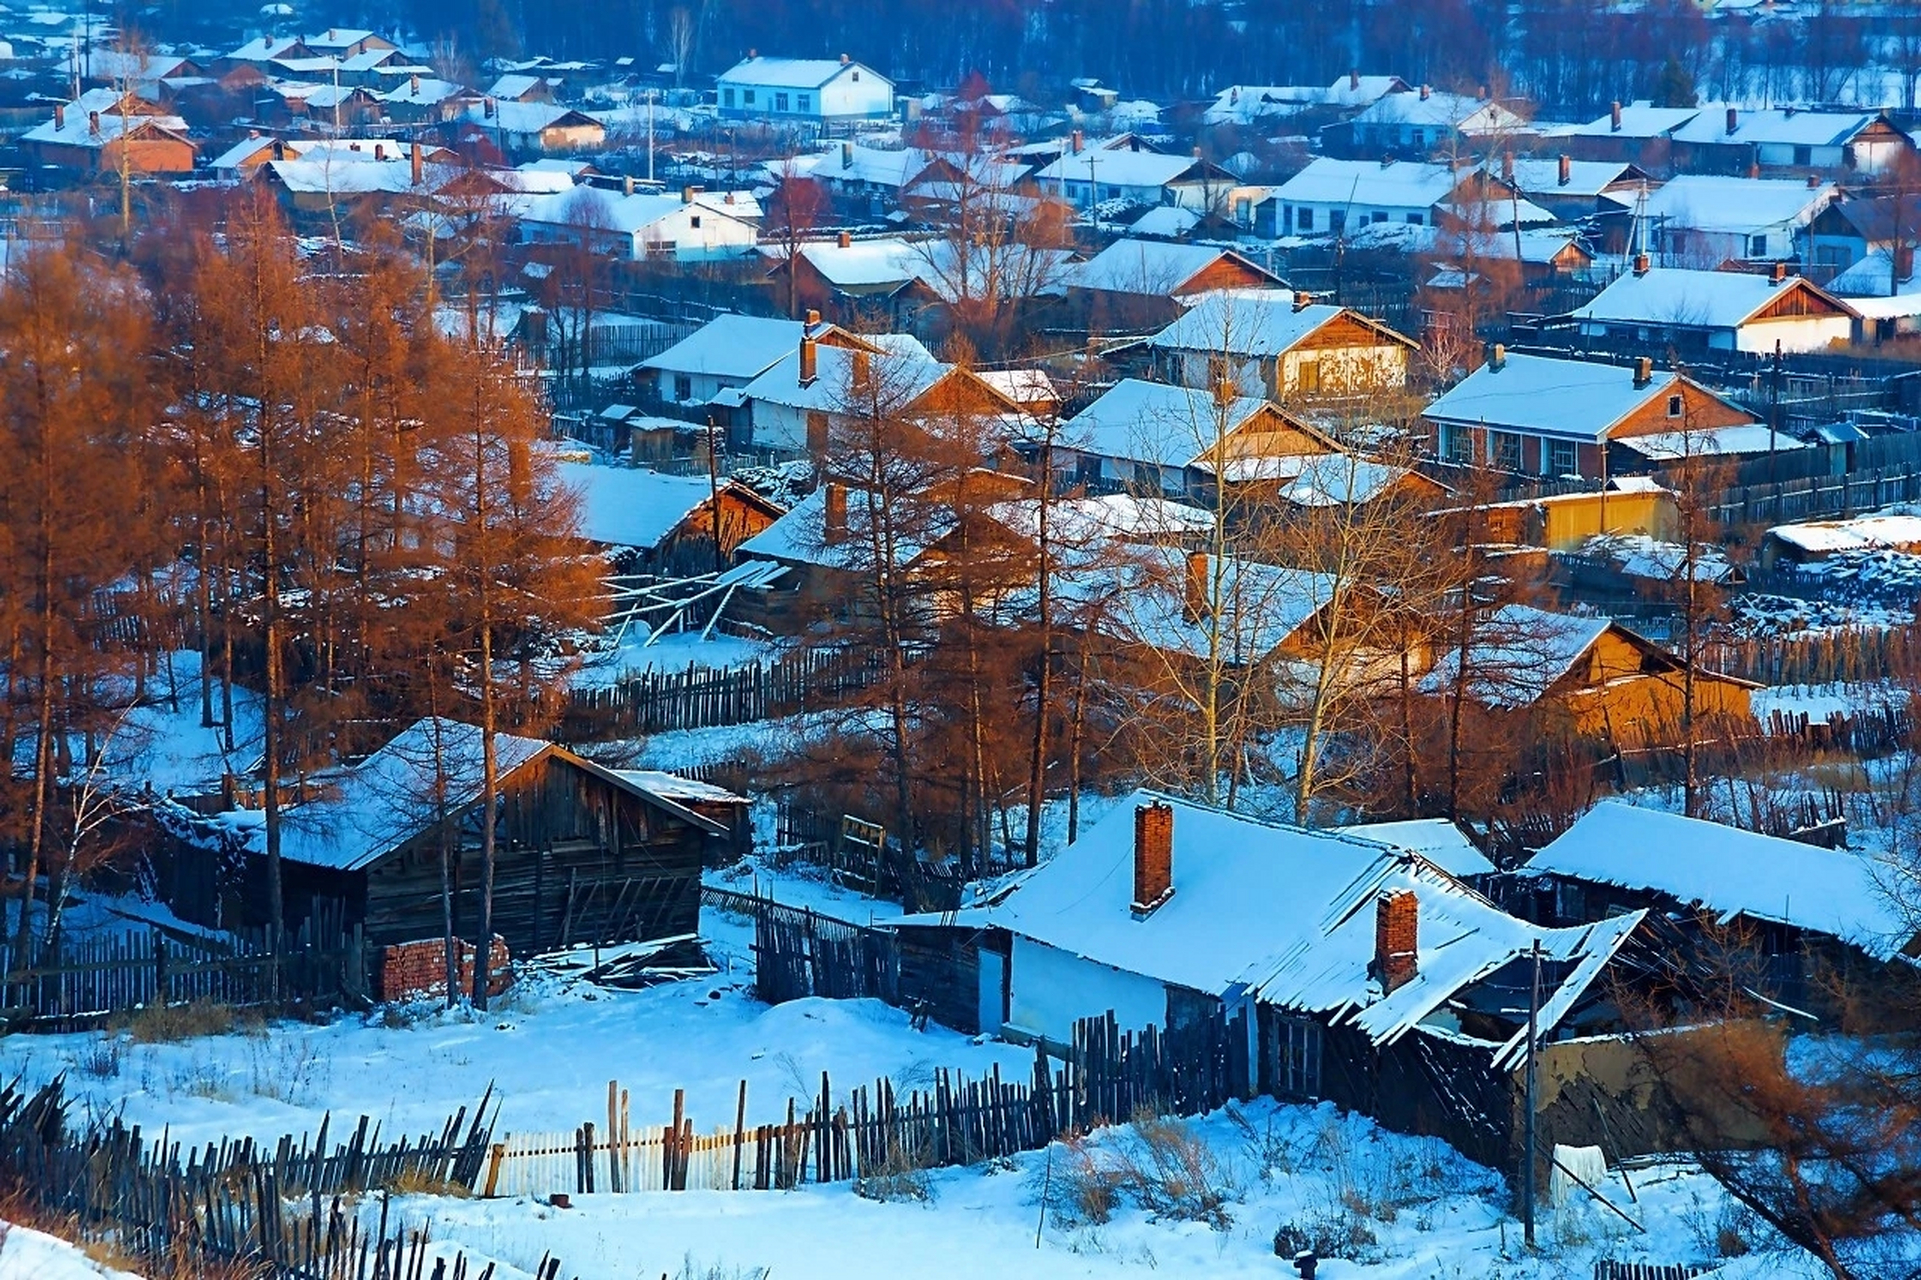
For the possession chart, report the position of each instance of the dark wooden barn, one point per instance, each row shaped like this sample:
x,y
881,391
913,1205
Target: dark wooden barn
x,y
582,855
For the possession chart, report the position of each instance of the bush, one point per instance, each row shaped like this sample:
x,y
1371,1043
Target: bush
x,y
1335,1234
1158,1164
172,1023
1079,1189
102,1058
903,1176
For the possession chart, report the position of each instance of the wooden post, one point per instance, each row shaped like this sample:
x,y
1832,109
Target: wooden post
x,y
674,1180
613,1137
495,1157
740,1125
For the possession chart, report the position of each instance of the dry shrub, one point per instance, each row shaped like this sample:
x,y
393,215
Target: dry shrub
x,y
1158,1164
172,1023
419,1182
102,1058
1080,1189
902,1176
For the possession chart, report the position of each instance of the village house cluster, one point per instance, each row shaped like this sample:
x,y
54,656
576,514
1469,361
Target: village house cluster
x,y
1374,488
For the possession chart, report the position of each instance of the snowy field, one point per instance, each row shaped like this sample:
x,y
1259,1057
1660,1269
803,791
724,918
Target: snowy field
x,y
26,1254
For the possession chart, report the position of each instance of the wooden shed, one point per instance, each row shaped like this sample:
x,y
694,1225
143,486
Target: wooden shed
x,y
583,854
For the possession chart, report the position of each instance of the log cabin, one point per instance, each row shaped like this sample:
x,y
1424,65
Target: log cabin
x,y
583,853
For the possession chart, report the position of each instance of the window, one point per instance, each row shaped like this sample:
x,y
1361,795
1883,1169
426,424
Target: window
x,y
1460,445
804,101
1562,460
1674,406
1337,220
1295,1052
1757,246
1307,375
856,77
694,222
1243,211
1506,449
1804,156
683,387
1415,220
726,97
1379,215
1304,221
780,102
746,97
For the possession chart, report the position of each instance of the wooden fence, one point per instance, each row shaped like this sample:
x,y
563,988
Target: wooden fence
x,y
1849,656
700,697
1608,1269
322,963
286,1212
1108,1075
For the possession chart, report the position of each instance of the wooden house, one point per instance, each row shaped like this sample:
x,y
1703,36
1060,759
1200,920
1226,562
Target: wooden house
x,y
1542,415
1376,979
1134,284
1704,311
1786,915
103,131
1284,346
646,522
1589,677
582,854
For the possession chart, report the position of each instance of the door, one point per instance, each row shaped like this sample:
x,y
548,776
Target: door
x,y
993,991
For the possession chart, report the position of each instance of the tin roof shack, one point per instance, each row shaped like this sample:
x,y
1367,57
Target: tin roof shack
x,y
1787,917
1380,982
582,852
1813,541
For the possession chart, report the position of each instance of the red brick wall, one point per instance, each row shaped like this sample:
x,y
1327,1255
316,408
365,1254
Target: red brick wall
x,y
412,970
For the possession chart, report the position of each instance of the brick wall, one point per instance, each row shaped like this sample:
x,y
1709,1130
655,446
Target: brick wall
x,y
1396,936
412,970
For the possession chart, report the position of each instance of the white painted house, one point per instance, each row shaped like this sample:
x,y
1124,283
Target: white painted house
x,y
1703,221
638,227
817,90
728,351
1725,310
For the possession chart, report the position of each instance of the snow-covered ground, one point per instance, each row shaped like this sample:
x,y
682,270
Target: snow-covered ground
x,y
26,1254
1819,701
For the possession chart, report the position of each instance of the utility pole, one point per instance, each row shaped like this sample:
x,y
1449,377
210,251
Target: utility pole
x,y
713,492
1527,1138
1774,408
650,159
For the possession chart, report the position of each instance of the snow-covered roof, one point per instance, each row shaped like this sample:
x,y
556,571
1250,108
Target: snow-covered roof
x,y
867,263
423,91
1116,168
1263,323
1689,298
629,506
903,367
1146,603
1575,399
674,787
1866,287
1732,442
1289,913
1454,110
1863,533
1783,126
1638,120
612,212
1519,654
852,162
1706,202
1436,839
791,73
338,38
731,346
1028,388
1370,183
1246,103
1168,220
1585,177
1737,873
1154,422
265,49
1339,479
800,537
525,117
341,177
514,85
78,128
1144,266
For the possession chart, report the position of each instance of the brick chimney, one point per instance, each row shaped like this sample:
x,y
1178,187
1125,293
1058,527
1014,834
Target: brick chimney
x,y
1734,119
1303,299
845,240
1778,273
59,116
844,59
833,521
809,357
1507,167
1614,117
1641,264
1903,261
1076,140
93,123
380,152
1427,91
1567,170
1153,857
1643,371
1497,357
1194,592
1354,78
846,155
416,162
487,107
627,185
1397,936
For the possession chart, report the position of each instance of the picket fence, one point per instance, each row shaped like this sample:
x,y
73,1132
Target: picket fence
x,y
284,1212
701,697
1107,1075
